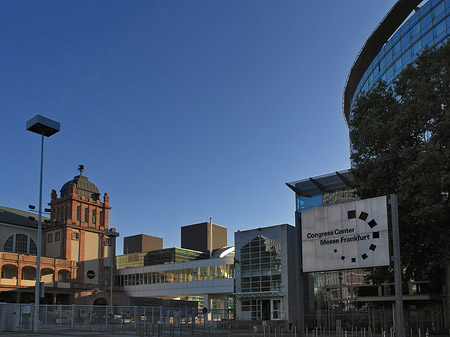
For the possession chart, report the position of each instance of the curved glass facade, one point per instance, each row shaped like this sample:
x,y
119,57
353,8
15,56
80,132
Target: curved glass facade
x,y
429,26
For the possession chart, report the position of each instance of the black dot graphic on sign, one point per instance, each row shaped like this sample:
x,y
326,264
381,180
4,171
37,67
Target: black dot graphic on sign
x,y
376,235
372,247
351,214
342,258
364,256
363,216
353,259
372,223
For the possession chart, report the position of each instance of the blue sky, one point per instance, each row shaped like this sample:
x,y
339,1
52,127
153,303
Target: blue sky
x,y
181,110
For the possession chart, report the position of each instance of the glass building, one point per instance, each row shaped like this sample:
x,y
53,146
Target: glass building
x,y
408,28
161,256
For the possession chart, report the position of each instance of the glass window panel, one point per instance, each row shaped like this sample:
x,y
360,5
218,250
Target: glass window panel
x,y
389,73
8,246
310,202
417,47
397,48
438,10
382,64
427,40
388,58
425,23
439,29
33,247
21,243
405,41
415,31
406,57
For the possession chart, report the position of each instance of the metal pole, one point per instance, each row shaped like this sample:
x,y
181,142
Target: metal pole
x,y
38,256
399,332
210,238
300,281
111,272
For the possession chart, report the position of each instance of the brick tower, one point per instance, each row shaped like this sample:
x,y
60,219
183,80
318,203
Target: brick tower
x,y
78,223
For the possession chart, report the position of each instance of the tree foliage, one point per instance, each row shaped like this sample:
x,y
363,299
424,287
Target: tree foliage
x,y
401,144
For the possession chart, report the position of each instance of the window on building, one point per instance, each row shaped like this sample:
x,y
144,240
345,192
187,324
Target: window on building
x,y
50,237
78,212
261,265
307,202
75,236
8,246
21,243
102,218
33,247
106,270
108,242
86,214
439,9
57,236
93,216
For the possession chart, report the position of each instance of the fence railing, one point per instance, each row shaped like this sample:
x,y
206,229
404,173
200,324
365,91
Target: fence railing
x,y
19,317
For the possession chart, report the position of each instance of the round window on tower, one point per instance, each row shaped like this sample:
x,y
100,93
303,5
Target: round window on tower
x,y
90,274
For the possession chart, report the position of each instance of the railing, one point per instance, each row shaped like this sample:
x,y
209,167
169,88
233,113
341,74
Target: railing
x,y
116,318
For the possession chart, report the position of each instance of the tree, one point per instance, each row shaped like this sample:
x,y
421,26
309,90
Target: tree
x,y
400,139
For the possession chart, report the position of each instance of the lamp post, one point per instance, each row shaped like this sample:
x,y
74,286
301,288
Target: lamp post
x,y
111,235
44,127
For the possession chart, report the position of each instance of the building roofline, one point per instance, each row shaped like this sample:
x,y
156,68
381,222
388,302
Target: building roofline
x,y
324,183
385,29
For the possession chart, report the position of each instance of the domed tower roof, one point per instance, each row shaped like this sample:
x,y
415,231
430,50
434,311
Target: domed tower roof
x,y
84,187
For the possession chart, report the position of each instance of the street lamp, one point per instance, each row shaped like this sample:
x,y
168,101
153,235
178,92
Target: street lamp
x,y
111,235
44,127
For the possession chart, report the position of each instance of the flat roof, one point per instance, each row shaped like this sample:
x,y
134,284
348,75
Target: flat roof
x,y
324,183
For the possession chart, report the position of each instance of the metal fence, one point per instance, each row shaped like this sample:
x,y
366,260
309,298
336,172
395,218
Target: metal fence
x,y
19,317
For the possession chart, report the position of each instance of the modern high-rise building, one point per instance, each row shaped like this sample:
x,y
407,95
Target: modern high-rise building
x,y
204,237
408,28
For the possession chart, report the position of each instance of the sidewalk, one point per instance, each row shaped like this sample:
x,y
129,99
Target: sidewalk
x,y
71,333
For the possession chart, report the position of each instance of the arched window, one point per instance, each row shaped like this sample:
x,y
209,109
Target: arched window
x,y
19,243
8,247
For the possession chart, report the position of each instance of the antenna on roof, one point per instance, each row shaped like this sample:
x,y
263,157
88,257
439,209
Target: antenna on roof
x,y
81,169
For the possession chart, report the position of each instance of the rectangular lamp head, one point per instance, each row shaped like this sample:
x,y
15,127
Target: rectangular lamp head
x,y
42,125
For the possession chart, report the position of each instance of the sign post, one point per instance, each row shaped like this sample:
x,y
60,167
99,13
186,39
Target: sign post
x,y
399,332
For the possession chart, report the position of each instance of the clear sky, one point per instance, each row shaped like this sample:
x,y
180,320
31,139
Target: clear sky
x,y
181,110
